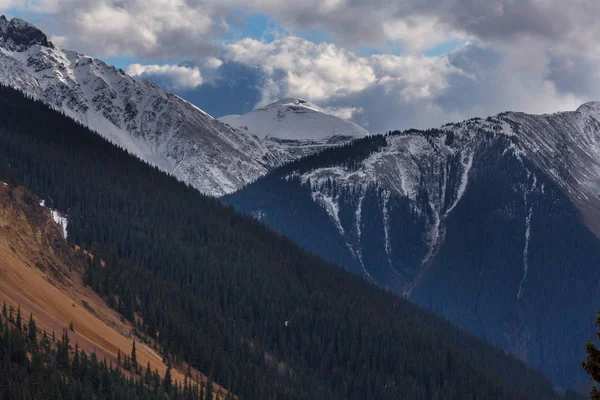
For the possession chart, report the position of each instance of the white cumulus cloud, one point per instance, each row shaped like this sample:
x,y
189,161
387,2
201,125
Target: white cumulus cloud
x,y
345,112
318,72
177,76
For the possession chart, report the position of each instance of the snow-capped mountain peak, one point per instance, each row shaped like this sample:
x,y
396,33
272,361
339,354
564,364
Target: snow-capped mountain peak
x,y
294,119
139,116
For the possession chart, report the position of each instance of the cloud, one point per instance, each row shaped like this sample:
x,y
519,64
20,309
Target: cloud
x,y
161,28
234,89
412,90
420,33
528,55
319,72
297,67
175,76
156,29
345,112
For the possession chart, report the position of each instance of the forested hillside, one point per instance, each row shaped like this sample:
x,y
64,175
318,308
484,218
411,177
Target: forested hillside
x,y
219,290
37,365
476,221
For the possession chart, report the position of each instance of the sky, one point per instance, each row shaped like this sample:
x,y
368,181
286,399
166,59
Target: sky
x,y
384,64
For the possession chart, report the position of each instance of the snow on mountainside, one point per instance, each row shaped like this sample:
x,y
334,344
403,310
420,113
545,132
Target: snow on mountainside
x,y
294,119
293,128
158,127
566,146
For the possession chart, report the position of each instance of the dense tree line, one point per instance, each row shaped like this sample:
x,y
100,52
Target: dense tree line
x,y
37,365
217,289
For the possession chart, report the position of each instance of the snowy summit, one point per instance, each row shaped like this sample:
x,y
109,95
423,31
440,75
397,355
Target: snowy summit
x,y
294,119
156,126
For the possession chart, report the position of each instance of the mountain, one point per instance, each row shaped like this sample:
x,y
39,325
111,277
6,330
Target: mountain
x,y
140,117
492,223
225,294
294,119
296,127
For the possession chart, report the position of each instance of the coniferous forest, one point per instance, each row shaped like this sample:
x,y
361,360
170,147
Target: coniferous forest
x,y
39,365
247,307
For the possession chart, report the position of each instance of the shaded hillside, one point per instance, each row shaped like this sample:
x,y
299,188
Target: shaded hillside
x,y
463,220
219,290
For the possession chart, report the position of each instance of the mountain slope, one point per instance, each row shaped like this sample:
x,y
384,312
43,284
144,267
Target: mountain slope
x,y
41,275
158,127
140,117
224,293
483,222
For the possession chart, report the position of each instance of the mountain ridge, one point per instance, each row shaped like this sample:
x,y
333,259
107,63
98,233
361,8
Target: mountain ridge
x,y
469,203
137,115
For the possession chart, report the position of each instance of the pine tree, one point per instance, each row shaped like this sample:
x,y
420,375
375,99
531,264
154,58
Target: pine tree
x,y
32,329
592,364
148,376
133,356
168,380
18,322
209,390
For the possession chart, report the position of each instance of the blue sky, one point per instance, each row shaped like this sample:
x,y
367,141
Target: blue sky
x,y
386,65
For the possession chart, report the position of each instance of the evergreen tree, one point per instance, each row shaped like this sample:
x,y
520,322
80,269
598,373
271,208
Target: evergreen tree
x,y
148,375
209,389
168,380
32,329
18,322
592,364
134,362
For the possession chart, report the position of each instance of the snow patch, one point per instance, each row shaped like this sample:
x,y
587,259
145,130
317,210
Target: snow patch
x,y
527,232
331,206
59,218
463,181
61,221
386,225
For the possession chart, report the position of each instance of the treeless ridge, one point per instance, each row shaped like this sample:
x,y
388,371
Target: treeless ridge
x,y
40,273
